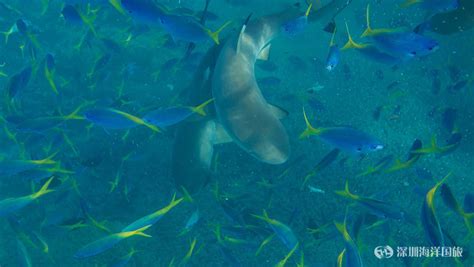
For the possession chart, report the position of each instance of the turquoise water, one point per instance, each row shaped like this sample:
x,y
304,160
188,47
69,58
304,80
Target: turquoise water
x,y
104,178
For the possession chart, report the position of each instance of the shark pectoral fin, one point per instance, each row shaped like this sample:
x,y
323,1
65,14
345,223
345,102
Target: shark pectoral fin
x,y
221,136
279,112
264,53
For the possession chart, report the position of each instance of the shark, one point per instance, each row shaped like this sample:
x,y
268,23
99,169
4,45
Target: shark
x,y
240,113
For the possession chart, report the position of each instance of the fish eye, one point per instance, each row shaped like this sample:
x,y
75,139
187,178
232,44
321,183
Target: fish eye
x,y
413,53
359,149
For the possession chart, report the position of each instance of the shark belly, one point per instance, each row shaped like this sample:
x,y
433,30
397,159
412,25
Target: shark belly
x,y
240,106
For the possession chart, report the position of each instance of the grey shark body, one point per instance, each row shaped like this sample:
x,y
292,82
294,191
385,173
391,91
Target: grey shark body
x,y
239,113
240,106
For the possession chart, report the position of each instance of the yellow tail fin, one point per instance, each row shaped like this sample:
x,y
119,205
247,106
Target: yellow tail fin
x,y
46,161
44,189
139,232
368,31
215,35
308,10
118,6
310,130
351,43
288,256
371,32
346,193
200,109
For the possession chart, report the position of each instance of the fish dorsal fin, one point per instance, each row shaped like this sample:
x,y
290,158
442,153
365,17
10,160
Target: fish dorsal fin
x,y
279,112
221,136
264,53
242,32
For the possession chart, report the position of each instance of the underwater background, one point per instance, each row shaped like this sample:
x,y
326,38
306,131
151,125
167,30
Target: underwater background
x,y
79,78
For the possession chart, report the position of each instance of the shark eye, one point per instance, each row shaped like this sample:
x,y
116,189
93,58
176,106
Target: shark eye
x,y
413,53
359,149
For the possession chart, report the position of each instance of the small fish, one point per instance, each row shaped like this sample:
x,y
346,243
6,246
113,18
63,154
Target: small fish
x,y
370,51
322,164
377,207
124,260
344,138
99,64
400,44
452,144
350,255
42,124
18,82
449,118
49,72
298,25
24,29
283,232
469,202
378,167
313,189
108,242
170,116
282,263
193,219
332,59
10,205
412,158
433,5
24,256
189,29
429,220
458,86
13,29
110,118
450,201
71,15
153,217
12,167
144,11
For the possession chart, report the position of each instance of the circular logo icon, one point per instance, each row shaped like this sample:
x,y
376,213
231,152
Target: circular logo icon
x,y
383,252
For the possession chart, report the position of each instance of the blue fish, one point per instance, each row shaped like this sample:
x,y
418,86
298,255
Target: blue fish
x,y
115,119
400,44
10,205
345,138
333,56
71,15
469,202
18,82
351,255
144,11
429,220
370,51
188,28
283,231
171,116
108,242
297,25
